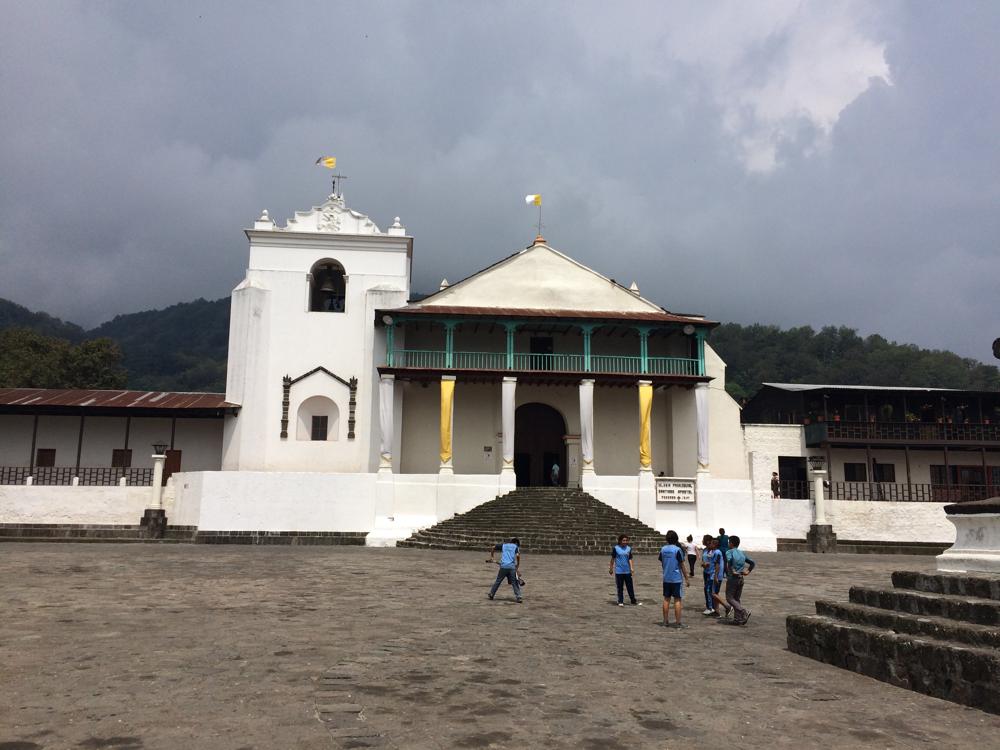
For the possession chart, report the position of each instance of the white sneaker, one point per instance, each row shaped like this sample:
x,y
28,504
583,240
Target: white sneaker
x,y
708,612
620,604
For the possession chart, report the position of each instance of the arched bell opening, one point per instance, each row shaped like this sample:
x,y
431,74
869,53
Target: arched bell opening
x,y
327,287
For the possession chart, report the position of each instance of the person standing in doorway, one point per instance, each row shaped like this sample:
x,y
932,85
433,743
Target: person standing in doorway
x,y
775,485
554,475
623,569
674,577
722,542
510,565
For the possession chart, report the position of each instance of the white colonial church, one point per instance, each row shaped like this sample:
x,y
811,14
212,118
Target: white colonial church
x,y
361,411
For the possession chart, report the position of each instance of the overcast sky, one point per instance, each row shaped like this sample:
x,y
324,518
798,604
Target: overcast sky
x,y
777,162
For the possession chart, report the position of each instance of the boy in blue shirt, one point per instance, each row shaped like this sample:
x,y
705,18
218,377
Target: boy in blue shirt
x,y
622,568
740,566
711,561
674,577
510,563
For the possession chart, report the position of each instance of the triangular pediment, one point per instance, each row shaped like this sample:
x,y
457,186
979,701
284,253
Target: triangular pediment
x,y
540,278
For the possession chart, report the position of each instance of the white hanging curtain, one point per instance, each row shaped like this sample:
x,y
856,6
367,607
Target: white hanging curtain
x,y
587,422
385,388
701,408
507,414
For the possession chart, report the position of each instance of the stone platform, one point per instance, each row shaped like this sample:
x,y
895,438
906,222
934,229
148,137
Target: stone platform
x,y
937,634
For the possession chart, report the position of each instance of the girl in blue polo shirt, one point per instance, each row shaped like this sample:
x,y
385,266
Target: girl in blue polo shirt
x,y
622,568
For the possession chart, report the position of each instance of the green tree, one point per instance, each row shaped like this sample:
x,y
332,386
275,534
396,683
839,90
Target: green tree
x,y
94,364
31,360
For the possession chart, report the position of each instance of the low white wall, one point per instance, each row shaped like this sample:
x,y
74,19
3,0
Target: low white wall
x,y
866,521
277,501
73,505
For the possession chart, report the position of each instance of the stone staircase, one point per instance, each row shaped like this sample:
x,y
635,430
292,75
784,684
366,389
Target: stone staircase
x,y
937,634
547,520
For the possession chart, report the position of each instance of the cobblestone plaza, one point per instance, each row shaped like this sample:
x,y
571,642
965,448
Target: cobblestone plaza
x,y
169,646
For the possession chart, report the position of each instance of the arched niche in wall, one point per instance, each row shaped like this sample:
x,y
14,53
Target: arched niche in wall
x,y
327,287
318,418
325,406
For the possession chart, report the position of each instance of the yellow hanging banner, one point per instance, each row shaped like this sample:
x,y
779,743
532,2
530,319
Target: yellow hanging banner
x,y
447,402
645,412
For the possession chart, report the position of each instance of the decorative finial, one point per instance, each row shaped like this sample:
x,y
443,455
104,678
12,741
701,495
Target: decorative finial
x,y
634,288
539,240
444,284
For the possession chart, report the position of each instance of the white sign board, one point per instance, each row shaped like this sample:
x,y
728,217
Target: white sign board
x,y
674,490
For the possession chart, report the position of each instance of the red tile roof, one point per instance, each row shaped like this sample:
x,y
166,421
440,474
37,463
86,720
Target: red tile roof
x,y
97,399
514,312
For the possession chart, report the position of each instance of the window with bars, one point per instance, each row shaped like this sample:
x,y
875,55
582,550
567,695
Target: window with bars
x,y
855,472
45,457
121,458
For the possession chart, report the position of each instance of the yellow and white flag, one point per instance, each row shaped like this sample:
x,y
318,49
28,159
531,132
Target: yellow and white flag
x,y
532,200
330,162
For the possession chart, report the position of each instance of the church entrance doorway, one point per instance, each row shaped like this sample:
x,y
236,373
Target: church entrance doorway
x,y
538,445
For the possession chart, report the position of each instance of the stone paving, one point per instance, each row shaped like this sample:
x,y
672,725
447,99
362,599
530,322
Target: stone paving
x,y
145,646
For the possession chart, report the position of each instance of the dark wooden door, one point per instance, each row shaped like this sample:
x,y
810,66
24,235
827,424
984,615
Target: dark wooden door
x,y
172,465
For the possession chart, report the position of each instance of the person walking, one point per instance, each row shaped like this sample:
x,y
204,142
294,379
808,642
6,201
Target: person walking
x,y
510,565
692,553
554,475
740,566
674,577
622,568
775,485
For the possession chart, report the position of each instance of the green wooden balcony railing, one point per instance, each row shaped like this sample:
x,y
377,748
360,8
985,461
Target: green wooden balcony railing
x,y
526,362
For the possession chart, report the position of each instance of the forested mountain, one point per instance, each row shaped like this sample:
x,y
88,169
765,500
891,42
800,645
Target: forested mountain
x,y
838,356
183,347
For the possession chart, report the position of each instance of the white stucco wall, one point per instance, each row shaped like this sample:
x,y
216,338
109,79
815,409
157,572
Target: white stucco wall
x,y
199,440
867,521
73,505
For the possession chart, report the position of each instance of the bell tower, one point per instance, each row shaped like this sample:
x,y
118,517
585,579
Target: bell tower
x,y
303,346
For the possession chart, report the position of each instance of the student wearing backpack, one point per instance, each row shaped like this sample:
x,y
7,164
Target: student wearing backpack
x,y
740,566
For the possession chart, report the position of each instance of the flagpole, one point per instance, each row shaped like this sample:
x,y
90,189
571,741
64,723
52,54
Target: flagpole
x,y
539,219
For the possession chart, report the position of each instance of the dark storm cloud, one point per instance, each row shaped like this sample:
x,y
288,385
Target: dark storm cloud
x,y
785,163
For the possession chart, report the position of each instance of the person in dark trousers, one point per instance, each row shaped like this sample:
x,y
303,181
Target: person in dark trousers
x,y
692,552
711,561
723,542
740,566
623,568
674,577
510,565
775,485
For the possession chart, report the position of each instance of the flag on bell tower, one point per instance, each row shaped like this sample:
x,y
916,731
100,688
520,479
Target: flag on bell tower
x,y
532,200
330,162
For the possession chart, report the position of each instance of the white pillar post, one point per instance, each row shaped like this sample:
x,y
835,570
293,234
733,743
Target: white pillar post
x,y
386,422
586,429
818,478
158,460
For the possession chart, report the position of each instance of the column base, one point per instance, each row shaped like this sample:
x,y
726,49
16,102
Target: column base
x,y
154,522
507,481
446,470
821,538
646,497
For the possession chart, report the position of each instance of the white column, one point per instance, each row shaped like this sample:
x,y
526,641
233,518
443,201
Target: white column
x,y
818,477
701,411
158,461
586,428
386,422
507,390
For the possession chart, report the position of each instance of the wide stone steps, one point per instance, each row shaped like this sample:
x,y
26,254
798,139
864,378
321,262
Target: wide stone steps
x,y
546,521
937,634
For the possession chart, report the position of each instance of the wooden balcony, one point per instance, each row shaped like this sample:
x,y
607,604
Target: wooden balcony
x,y
424,359
900,433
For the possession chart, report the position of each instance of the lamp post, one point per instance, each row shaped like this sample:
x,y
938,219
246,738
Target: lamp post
x,y
820,537
155,518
